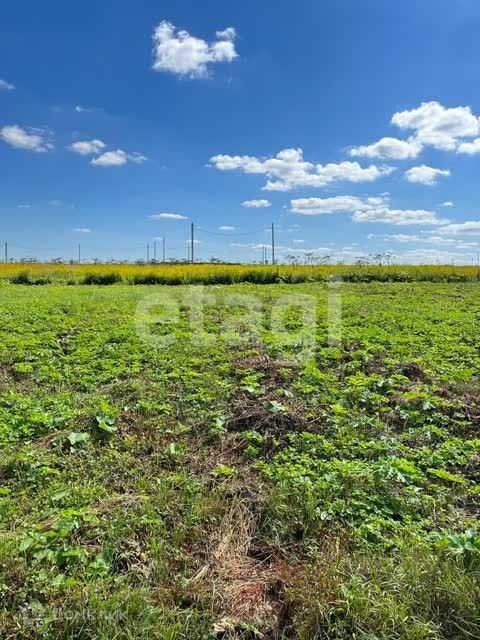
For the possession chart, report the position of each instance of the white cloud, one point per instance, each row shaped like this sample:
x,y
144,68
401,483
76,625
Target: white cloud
x,y
373,209
24,206
87,147
439,126
392,148
429,256
470,148
138,158
403,238
31,140
168,216
80,109
318,206
176,51
298,241
425,175
290,170
117,158
470,228
82,230
227,34
461,244
6,86
397,216
256,204
438,240
226,228
111,159
431,124
447,204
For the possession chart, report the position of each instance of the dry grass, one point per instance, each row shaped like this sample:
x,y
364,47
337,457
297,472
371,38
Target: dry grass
x,y
245,585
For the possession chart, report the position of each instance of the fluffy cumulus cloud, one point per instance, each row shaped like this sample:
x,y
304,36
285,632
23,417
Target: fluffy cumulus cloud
x,y
288,170
425,175
6,86
168,216
117,158
176,51
429,125
256,204
30,140
397,216
374,209
438,126
318,206
447,204
87,147
392,148
111,159
470,148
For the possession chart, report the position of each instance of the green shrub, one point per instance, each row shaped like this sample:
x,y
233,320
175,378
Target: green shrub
x,y
102,278
25,277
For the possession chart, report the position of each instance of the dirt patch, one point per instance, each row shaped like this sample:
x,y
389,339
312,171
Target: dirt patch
x,y
269,413
260,414
275,372
465,403
6,377
413,371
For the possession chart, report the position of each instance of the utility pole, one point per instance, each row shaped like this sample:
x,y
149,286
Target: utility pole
x,y
163,249
192,233
148,252
478,265
154,250
79,254
273,243
6,251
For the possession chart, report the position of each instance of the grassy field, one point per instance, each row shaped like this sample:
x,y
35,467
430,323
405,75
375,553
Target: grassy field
x,y
178,274
231,482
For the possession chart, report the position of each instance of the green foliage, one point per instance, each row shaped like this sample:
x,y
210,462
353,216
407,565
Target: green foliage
x,y
128,474
102,278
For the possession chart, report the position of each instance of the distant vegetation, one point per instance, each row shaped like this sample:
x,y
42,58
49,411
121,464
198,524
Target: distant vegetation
x,y
38,273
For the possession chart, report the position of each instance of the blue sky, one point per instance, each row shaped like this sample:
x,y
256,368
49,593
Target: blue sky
x,y
104,129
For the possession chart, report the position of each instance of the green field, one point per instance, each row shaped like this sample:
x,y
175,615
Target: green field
x,y
237,484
